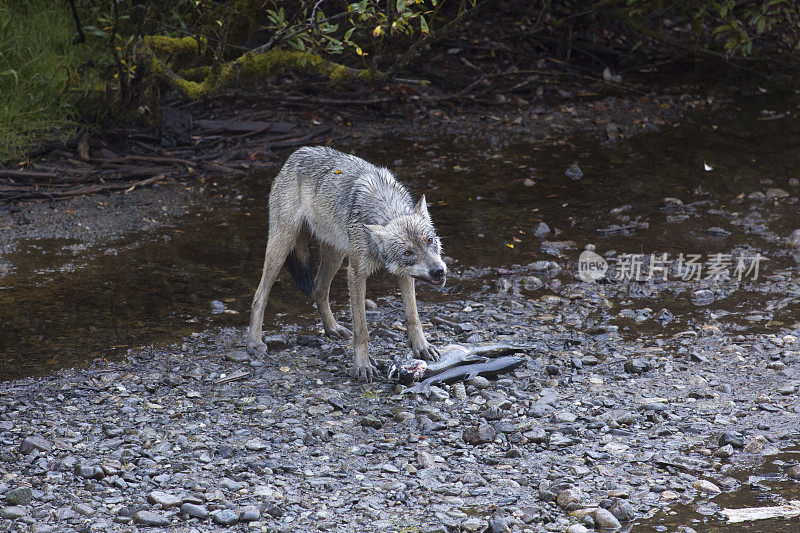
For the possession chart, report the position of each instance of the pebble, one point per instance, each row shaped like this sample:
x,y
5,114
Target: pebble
x,y
194,510
637,366
35,442
756,444
249,514
724,451
734,438
479,382
703,297
605,519
150,518
479,434
776,193
569,499
623,511
163,499
706,486
225,517
13,512
794,239
541,229
371,421
459,391
574,172
577,528
472,525
19,496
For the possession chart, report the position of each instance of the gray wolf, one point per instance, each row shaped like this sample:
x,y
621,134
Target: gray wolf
x,y
353,209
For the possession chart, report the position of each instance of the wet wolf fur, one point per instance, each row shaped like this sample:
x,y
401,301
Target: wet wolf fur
x,y
353,209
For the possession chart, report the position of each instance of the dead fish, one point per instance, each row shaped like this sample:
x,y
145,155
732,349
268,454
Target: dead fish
x,y
489,368
452,355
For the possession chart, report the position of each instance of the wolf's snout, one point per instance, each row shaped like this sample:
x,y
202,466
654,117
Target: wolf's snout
x,y
436,273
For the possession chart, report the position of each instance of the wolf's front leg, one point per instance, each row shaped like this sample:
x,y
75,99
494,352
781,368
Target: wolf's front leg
x,y
364,370
419,345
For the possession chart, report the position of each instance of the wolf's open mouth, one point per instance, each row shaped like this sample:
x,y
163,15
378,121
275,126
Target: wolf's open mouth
x,y
431,281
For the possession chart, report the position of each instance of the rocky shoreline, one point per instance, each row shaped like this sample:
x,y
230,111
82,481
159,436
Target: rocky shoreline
x,y
594,432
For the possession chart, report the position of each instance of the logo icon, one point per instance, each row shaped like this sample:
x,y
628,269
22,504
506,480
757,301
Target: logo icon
x,y
591,266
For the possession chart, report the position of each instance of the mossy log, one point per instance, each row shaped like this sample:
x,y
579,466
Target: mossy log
x,y
250,65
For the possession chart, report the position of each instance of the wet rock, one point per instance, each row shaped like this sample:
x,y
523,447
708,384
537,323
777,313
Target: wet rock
x,y
531,283
150,518
35,442
276,342
664,317
734,438
472,525
225,517
498,524
574,172
637,366
238,356
84,509
702,297
672,203
703,485
479,434
569,499
19,496
756,444
604,519
775,193
163,499
479,382
794,472
194,510
89,471
794,239
459,391
623,511
13,512
577,528
724,451
438,393
541,229
757,195
371,421
217,307
718,232
492,413
249,514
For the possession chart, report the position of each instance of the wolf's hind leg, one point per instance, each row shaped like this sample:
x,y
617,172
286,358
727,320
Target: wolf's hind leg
x,y
330,261
419,345
281,241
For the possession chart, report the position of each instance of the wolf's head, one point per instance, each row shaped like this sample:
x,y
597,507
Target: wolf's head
x,y
409,246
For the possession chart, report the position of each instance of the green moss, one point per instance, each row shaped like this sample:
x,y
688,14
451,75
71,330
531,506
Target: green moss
x,y
255,66
171,45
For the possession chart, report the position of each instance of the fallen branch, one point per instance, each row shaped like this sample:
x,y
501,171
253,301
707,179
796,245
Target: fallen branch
x,y
250,65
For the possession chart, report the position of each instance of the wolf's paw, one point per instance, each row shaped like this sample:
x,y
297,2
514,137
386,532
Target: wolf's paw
x,y
257,348
338,332
427,352
365,372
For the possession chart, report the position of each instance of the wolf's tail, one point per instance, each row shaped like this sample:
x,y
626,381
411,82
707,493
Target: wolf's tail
x,y
299,263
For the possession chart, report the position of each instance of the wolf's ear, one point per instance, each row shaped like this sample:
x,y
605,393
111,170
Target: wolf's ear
x,y
376,231
422,208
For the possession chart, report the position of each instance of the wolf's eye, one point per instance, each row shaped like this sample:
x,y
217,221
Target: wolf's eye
x,y
430,240
408,253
